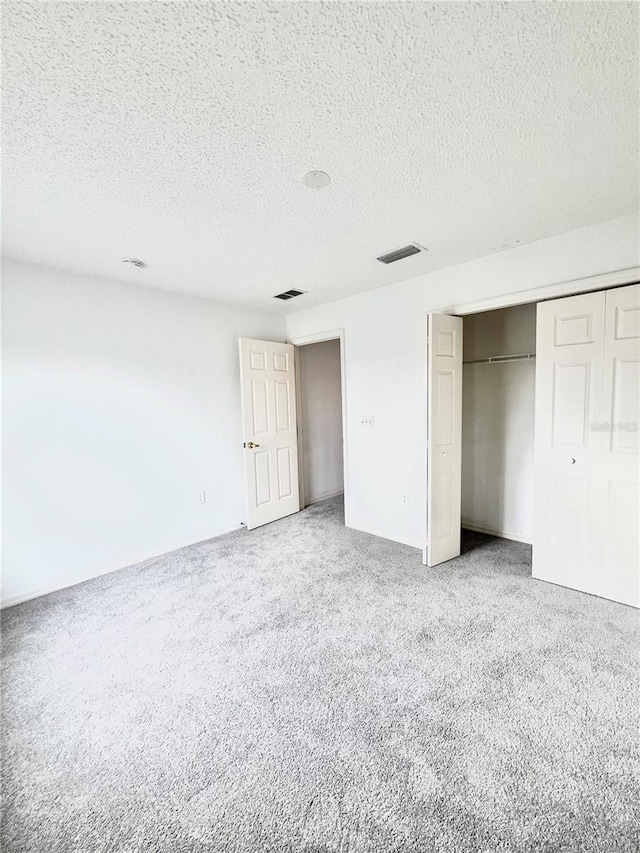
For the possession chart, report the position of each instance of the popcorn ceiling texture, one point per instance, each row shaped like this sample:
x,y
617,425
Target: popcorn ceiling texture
x,y
180,132
307,688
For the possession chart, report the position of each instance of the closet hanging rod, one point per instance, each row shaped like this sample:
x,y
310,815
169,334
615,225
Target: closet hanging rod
x,y
499,359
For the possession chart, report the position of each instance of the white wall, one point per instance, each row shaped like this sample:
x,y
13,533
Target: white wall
x,y
498,403
321,419
385,354
121,404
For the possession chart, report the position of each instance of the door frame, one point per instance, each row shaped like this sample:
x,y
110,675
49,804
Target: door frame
x,y
572,287
303,340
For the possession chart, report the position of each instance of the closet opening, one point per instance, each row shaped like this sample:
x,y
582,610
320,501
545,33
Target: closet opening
x,y
498,421
532,433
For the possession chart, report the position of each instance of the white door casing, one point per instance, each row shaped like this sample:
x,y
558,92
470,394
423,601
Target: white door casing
x,y
586,469
444,437
268,391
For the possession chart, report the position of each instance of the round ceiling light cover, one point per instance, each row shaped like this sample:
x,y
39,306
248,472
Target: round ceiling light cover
x,y
317,180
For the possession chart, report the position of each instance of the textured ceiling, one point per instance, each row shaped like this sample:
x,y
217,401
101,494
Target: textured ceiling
x,y
179,133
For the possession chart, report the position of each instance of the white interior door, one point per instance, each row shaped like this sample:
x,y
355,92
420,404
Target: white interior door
x,y
267,377
444,437
586,461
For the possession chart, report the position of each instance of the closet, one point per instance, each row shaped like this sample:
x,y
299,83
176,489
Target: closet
x,y
551,436
498,396
587,462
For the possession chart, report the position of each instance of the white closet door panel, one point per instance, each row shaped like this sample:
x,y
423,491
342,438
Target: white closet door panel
x,y
619,481
569,372
587,447
444,433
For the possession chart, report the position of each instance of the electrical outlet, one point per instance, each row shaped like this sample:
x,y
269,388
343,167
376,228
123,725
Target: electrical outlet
x,y
366,421
202,498
404,499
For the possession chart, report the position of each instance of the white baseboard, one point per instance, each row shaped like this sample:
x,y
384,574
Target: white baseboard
x,y
323,497
500,533
12,600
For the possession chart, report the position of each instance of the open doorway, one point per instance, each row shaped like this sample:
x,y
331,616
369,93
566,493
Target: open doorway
x,y
320,421
498,422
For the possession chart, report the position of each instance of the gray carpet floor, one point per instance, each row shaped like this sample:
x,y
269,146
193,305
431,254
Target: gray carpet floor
x,y
310,688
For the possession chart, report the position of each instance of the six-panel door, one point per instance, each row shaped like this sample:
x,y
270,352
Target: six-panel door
x,y
270,430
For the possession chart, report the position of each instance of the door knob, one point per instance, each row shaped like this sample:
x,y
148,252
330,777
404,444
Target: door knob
x,y
250,445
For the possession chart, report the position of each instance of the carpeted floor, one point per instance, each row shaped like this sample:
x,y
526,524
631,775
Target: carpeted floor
x,y
310,688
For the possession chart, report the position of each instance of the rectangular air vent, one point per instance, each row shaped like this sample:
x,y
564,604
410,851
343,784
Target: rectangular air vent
x,y
289,294
399,254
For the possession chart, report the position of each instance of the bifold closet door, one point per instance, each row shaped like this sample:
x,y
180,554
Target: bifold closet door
x,y
620,471
586,456
444,437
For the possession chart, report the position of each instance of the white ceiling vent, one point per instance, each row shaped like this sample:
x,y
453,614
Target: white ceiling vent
x,y
289,294
399,254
